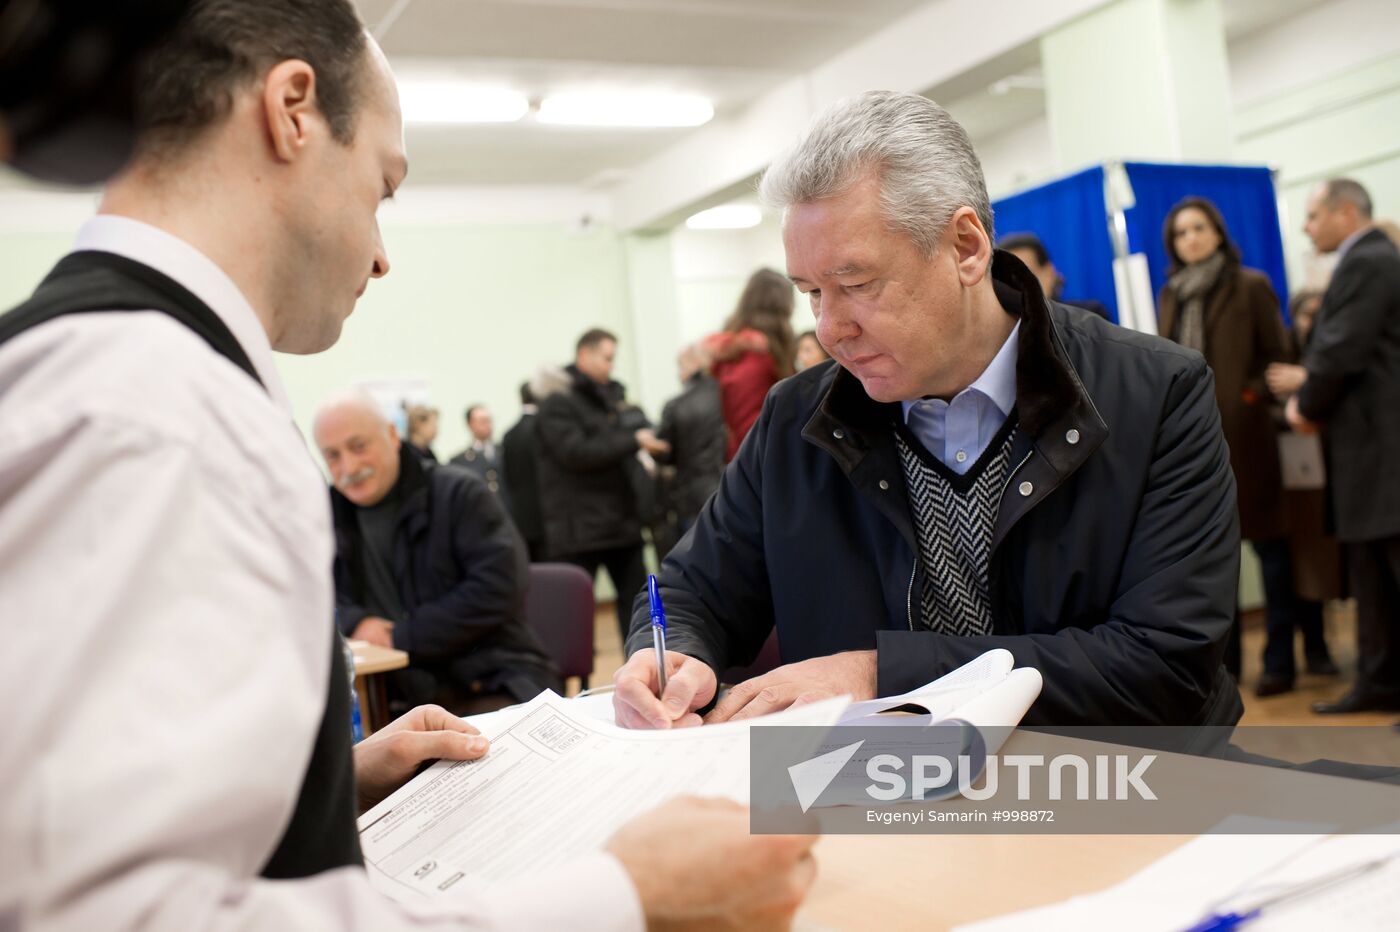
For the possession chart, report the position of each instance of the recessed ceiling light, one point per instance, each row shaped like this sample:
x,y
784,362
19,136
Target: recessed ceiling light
x,y
586,108
451,101
726,217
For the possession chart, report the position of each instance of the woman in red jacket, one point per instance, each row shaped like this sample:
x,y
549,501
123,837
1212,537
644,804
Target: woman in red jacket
x,y
755,350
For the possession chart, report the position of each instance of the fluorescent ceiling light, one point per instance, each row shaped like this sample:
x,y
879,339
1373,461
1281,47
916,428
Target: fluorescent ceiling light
x,y
726,217
582,108
452,101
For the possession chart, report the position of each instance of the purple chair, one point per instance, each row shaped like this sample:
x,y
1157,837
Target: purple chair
x,y
559,608
768,658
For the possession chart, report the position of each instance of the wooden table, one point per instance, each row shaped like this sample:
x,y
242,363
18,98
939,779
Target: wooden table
x,y
370,662
937,881
931,882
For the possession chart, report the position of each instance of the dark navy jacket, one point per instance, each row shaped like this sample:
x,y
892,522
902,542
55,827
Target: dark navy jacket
x,y
462,574
1115,555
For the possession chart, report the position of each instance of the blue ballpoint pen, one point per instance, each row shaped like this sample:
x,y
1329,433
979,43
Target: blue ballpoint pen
x,y
1219,922
658,633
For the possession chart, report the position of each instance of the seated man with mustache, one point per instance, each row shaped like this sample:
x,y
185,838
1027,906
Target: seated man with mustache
x,y
427,562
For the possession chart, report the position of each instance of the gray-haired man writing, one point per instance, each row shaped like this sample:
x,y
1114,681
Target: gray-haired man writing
x,y
984,468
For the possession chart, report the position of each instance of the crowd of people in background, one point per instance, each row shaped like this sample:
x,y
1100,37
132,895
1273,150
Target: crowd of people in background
x,y
181,566
587,478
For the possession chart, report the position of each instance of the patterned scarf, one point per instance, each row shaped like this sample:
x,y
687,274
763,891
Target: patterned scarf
x,y
1191,284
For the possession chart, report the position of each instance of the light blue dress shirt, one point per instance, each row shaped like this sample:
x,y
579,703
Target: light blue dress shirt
x,y
958,431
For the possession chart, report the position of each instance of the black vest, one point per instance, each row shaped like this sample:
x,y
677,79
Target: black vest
x,y
322,833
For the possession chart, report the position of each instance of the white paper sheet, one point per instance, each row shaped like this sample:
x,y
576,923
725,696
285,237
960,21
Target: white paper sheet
x,y
971,712
556,784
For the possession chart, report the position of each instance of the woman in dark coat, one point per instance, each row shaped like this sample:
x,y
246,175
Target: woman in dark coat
x,y
1229,313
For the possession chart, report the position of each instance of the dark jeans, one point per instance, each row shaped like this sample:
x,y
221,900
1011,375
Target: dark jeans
x,y
627,572
1285,613
1375,581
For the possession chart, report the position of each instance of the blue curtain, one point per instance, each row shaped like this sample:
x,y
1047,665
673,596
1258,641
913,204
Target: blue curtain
x,y
1069,217
1245,196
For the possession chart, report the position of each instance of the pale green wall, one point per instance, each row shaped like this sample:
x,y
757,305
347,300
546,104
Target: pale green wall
x,y
1345,124
472,309
24,260
475,310
1138,79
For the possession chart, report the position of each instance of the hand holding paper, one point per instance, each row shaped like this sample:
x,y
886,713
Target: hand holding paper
x,y
385,760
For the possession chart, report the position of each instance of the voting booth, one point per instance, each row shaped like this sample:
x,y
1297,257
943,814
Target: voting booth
x,y
1103,228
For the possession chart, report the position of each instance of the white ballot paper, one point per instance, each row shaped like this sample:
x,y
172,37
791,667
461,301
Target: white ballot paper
x,y
557,783
970,713
984,693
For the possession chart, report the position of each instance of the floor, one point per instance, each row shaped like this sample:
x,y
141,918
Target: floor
x,y
1287,709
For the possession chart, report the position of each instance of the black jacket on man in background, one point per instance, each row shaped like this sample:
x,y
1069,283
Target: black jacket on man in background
x,y
461,572
1353,387
1115,554
587,456
693,424
519,451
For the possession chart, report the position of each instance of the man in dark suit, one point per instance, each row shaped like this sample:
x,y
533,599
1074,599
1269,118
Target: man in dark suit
x,y
481,456
1353,391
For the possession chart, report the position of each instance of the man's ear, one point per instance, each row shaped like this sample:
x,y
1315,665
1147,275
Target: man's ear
x,y
972,247
393,436
290,108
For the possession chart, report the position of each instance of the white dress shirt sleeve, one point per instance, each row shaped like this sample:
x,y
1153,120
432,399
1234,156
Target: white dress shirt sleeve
x,y
164,584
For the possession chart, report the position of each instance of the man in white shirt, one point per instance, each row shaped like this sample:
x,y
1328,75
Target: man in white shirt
x,y
165,539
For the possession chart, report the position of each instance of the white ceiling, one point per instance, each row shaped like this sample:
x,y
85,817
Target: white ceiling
x,y
731,51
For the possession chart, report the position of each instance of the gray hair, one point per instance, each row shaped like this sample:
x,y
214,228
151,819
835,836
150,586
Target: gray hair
x,y
924,160
1338,191
354,398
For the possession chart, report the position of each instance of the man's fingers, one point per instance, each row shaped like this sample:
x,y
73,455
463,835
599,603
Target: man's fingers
x,y
733,701
436,718
810,696
414,747
769,699
752,698
633,693
689,687
627,717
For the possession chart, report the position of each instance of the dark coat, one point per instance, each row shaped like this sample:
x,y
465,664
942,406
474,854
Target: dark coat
x,y
1115,555
1244,333
462,573
518,453
1317,557
488,468
1353,387
694,427
425,454
587,457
